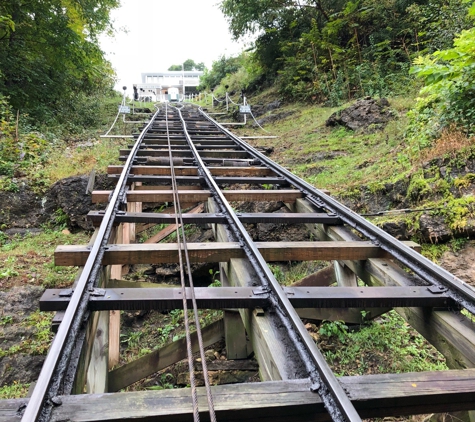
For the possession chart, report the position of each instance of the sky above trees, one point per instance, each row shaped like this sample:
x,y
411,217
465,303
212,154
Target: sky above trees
x,y
160,34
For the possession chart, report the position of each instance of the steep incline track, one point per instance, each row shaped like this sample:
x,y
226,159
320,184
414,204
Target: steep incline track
x,y
184,157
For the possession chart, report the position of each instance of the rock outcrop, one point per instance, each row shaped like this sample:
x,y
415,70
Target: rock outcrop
x,y
367,114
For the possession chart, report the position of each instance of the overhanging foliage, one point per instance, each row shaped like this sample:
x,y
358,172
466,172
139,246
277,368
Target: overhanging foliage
x,y
49,53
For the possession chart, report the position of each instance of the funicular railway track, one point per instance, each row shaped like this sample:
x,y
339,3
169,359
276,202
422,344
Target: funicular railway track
x,y
183,157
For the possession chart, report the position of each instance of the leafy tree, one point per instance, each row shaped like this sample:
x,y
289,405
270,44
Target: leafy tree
x,y
333,50
448,96
220,68
49,53
188,65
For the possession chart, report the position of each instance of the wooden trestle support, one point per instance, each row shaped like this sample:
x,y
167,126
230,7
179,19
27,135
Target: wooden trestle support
x,y
248,326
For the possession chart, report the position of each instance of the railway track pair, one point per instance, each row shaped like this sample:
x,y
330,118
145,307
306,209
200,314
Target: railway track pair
x,y
184,157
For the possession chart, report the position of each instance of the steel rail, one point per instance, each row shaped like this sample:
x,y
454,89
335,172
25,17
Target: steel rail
x,y
324,381
56,363
457,289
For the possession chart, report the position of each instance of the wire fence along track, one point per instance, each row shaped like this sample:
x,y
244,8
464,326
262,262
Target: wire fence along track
x,y
323,380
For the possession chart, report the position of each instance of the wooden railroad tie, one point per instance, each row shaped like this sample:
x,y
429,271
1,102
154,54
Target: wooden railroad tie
x,y
201,195
180,180
208,218
138,253
372,395
248,297
193,171
180,153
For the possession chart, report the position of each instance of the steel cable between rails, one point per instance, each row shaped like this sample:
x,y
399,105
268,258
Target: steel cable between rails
x,y
182,239
194,394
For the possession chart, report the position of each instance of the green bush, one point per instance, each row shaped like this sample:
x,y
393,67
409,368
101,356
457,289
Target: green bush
x,y
448,96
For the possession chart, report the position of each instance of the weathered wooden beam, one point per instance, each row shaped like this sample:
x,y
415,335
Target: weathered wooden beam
x,y
165,356
139,253
213,140
92,368
90,361
199,180
202,195
142,227
158,170
180,180
207,218
169,187
279,401
177,145
200,137
155,196
193,171
344,276
235,336
326,277
97,370
229,364
321,278
249,297
348,315
180,153
158,299
238,345
114,316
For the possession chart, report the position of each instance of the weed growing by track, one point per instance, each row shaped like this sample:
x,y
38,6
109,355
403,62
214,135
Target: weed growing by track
x,y
38,342
156,329
29,259
14,391
295,271
74,160
386,345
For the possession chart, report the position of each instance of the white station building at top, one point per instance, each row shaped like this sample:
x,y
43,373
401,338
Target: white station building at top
x,y
155,85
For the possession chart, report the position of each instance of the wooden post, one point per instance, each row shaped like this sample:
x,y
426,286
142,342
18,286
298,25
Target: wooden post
x,y
125,233
92,364
237,345
344,276
114,317
98,368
